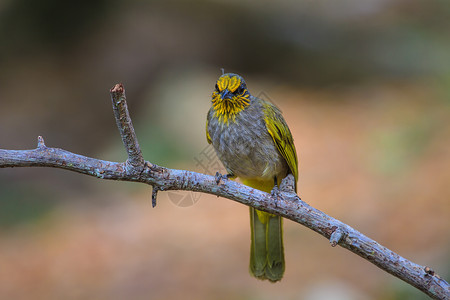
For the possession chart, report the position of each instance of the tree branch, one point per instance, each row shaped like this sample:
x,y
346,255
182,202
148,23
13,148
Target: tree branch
x,y
289,206
126,129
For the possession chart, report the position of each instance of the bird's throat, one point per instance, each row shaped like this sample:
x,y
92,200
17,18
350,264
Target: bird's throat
x,y
226,110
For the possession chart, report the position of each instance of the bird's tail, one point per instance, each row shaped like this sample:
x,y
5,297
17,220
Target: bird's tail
x,y
267,251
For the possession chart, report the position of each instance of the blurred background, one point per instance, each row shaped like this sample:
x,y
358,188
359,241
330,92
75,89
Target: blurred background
x,y
364,87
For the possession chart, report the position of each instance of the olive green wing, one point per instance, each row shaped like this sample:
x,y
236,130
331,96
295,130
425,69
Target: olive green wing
x,y
279,131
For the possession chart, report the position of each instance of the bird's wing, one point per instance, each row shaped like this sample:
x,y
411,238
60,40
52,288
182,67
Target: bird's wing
x,y
279,131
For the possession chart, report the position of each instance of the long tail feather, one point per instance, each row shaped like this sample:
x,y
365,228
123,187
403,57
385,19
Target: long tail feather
x,y
267,251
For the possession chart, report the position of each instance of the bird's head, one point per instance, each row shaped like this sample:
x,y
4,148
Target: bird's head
x,y
230,97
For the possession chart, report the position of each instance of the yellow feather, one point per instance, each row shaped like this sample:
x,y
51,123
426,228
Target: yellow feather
x,y
208,137
281,135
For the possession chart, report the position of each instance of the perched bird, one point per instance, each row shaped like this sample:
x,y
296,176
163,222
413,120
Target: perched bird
x,y
254,143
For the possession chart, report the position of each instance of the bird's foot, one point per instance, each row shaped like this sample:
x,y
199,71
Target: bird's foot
x,y
276,194
225,177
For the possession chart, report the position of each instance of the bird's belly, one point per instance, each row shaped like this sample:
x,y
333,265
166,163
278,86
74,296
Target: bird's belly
x,y
250,155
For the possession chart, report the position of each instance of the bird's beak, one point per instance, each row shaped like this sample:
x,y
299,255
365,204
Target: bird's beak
x,y
226,94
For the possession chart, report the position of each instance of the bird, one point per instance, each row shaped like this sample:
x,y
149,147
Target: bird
x,y
254,143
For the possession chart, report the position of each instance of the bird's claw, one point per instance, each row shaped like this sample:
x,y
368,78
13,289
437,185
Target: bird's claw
x,y
220,177
276,194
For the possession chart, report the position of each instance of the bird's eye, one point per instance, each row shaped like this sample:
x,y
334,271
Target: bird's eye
x,y
240,90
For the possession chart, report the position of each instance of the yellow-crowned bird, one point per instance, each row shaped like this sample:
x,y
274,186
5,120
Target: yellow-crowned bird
x,y
253,141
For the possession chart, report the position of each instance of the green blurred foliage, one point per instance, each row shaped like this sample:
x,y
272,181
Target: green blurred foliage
x,y
24,203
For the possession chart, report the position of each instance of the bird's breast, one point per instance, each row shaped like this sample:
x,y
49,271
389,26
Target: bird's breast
x,y
245,147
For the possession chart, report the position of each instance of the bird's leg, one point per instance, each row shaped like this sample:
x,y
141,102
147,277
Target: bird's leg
x,y
219,177
275,192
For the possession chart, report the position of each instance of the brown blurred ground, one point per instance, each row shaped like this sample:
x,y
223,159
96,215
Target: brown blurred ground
x,y
371,125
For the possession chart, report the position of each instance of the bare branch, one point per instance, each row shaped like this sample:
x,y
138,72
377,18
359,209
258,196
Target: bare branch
x,y
289,206
125,126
